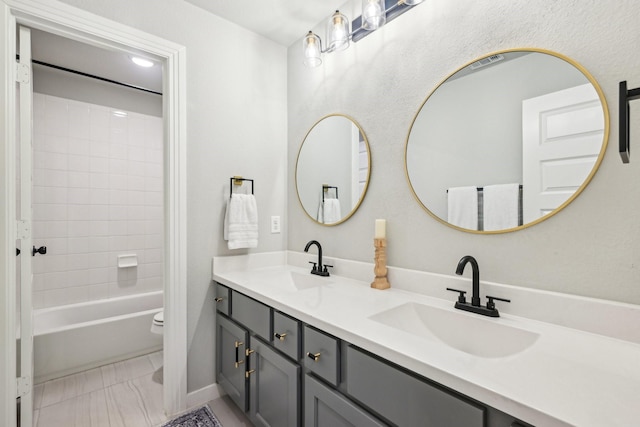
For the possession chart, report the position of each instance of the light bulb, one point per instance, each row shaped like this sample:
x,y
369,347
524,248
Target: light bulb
x,y
311,49
338,32
373,14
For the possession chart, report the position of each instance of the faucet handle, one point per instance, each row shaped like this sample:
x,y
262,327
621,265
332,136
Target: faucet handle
x,y
461,297
325,267
491,305
315,266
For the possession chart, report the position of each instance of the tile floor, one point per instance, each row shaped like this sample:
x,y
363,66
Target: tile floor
x,y
123,394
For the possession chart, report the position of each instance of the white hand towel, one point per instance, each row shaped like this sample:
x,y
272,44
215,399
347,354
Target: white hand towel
x,y
501,206
332,211
241,222
463,207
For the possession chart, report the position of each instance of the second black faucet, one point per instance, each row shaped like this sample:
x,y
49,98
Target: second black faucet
x,y
475,307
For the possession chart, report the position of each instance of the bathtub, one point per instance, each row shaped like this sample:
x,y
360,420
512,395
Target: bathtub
x,y
76,337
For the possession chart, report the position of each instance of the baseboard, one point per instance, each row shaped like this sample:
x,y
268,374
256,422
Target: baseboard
x,y
203,395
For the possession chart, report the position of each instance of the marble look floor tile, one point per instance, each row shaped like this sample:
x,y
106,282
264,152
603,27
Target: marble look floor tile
x,y
87,410
126,370
64,388
228,413
135,403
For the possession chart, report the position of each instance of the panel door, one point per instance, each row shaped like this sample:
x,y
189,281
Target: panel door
x,y
562,138
275,387
324,407
231,342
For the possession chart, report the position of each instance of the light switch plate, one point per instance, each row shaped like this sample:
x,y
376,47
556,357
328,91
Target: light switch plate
x,y
275,224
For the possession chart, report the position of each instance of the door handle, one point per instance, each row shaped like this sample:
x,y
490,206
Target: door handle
x,y
42,250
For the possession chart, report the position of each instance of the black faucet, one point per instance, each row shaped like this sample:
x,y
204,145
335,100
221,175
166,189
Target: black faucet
x,y
317,267
475,307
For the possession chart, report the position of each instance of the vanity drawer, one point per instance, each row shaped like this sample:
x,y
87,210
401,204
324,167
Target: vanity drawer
x,y
252,314
378,385
286,335
222,298
322,354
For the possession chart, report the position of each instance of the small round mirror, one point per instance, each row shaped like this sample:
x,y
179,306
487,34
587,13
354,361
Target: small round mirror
x,y
333,169
507,141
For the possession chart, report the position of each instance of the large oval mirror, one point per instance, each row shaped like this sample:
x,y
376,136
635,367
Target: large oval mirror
x,y
507,141
333,168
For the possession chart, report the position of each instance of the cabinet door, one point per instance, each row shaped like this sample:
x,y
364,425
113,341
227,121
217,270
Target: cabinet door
x,y
230,360
323,407
275,387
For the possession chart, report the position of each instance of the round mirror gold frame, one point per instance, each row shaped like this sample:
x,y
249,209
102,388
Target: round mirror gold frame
x,y
579,190
354,205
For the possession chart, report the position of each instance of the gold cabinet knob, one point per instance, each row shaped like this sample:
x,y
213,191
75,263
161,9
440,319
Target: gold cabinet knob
x,y
313,356
280,336
219,299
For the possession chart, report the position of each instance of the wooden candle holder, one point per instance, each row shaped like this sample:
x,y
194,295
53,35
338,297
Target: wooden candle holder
x,y
380,267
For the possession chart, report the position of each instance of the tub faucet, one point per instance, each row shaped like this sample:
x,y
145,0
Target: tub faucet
x,y
317,267
475,307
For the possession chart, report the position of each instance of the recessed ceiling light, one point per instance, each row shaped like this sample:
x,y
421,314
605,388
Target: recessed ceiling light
x,y
142,62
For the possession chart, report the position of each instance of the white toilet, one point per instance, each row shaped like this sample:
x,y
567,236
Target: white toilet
x,y
158,323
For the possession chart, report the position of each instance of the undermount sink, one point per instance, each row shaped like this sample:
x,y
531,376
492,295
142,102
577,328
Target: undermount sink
x,y
471,333
292,280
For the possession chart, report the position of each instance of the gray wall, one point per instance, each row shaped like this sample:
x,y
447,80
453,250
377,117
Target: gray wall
x,y
592,248
236,125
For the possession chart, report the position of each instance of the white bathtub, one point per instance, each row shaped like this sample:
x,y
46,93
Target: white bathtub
x,y
77,337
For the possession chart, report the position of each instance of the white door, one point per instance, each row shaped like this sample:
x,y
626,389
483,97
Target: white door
x,y
562,138
25,364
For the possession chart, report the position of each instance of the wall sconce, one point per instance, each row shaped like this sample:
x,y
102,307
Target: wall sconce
x,y
375,13
625,97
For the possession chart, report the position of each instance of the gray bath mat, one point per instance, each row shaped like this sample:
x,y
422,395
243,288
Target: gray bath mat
x,y
201,417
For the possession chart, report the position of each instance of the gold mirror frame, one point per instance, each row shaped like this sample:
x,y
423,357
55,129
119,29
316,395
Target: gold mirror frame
x,y
595,168
366,185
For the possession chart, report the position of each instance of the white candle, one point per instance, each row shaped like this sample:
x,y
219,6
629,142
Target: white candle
x,y
380,232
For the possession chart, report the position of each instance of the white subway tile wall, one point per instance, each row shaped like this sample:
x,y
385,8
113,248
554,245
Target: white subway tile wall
x,y
97,194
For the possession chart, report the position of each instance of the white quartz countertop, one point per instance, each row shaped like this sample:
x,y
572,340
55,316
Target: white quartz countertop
x,y
566,377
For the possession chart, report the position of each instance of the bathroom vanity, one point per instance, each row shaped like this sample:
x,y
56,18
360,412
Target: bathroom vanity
x,y
296,349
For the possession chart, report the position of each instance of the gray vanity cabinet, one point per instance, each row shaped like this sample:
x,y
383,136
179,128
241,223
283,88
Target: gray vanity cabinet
x,y
324,407
274,384
282,372
404,399
230,358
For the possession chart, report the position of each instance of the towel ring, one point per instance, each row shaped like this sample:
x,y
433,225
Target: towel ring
x,y
238,180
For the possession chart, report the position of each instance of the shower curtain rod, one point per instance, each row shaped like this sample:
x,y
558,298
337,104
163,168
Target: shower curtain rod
x,y
92,76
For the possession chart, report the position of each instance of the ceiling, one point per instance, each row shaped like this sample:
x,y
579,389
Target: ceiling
x,y
282,21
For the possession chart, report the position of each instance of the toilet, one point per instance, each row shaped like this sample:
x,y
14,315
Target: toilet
x,y
158,323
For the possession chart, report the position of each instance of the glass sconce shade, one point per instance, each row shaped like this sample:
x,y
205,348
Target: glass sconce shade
x,y
412,2
373,14
338,30
312,50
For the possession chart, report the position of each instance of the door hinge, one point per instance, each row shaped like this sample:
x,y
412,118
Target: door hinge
x,y
23,229
23,73
23,386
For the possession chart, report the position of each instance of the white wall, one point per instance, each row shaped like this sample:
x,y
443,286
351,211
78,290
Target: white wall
x,y
236,125
592,248
97,194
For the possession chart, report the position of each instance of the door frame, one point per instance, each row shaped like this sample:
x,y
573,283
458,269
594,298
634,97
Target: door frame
x,y
70,22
